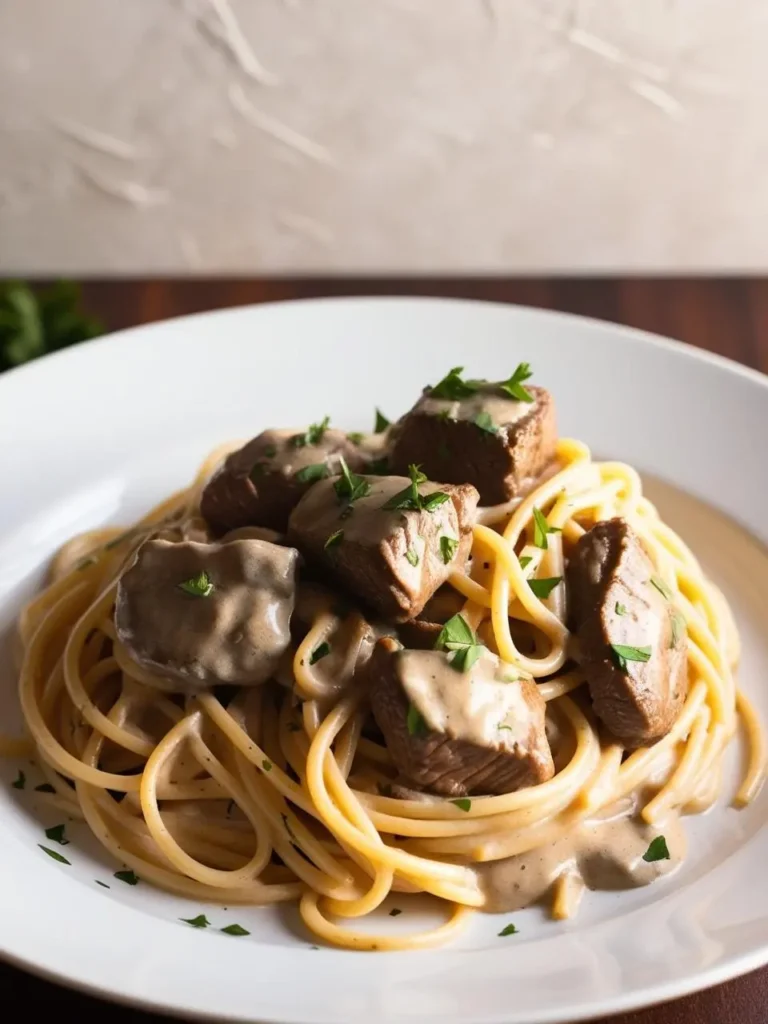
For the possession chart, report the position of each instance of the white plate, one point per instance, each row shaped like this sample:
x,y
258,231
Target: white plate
x,y
100,432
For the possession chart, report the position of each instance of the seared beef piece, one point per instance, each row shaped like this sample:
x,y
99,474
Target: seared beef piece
x,y
394,560
614,600
259,484
490,440
202,614
422,632
458,733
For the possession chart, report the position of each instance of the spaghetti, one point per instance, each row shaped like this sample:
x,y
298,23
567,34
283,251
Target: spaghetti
x,y
279,795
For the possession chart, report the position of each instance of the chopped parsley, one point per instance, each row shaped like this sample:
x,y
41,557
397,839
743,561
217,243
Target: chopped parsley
x,y
662,587
448,547
121,539
395,912
484,422
102,884
620,609
313,435
319,652
310,474
56,835
334,539
381,423
678,627
269,452
54,855
198,586
541,528
356,437
453,387
463,803
350,487
409,498
234,929
45,787
623,654
412,557
288,829
658,850
509,929
129,877
543,588
525,561
415,722
266,765
514,386
456,635
201,921
21,780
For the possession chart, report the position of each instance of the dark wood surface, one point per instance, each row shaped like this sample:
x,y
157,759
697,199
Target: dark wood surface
x,y
729,316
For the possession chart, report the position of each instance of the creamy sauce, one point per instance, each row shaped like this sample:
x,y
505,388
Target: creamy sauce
x,y
277,451
488,706
236,634
503,410
607,854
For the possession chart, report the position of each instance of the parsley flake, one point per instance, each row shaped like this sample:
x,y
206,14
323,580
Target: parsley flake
x,y
313,434
662,587
509,929
54,855
453,387
457,636
381,423
541,528
310,474
658,850
412,557
622,654
514,386
485,423
201,921
319,652
269,452
409,499
678,627
395,912
102,884
543,588
620,609
234,929
525,561
129,877
45,787
463,803
21,780
56,835
350,487
334,539
266,765
448,547
198,586
415,722
356,437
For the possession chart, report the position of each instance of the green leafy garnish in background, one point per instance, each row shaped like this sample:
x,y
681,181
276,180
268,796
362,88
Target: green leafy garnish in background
x,y
34,323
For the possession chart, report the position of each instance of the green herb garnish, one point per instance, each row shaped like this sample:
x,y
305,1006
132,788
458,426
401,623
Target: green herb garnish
x,y
484,422
45,787
662,587
102,884
509,929
334,539
463,803
313,435
453,387
356,437
198,586
448,547
319,652
678,627
381,423
514,386
395,912
350,487
266,765
21,780
620,609
201,921
409,499
415,722
234,929
525,561
658,850
33,323
543,588
456,635
129,877
541,528
309,474
56,835
412,557
54,855
623,654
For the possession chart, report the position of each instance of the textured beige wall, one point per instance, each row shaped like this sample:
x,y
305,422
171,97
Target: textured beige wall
x,y
145,136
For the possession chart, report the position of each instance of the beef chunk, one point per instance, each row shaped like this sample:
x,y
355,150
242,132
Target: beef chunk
x,y
202,614
488,439
458,733
393,559
423,631
616,600
259,484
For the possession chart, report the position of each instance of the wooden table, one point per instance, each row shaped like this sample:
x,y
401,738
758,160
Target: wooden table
x,y
725,316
